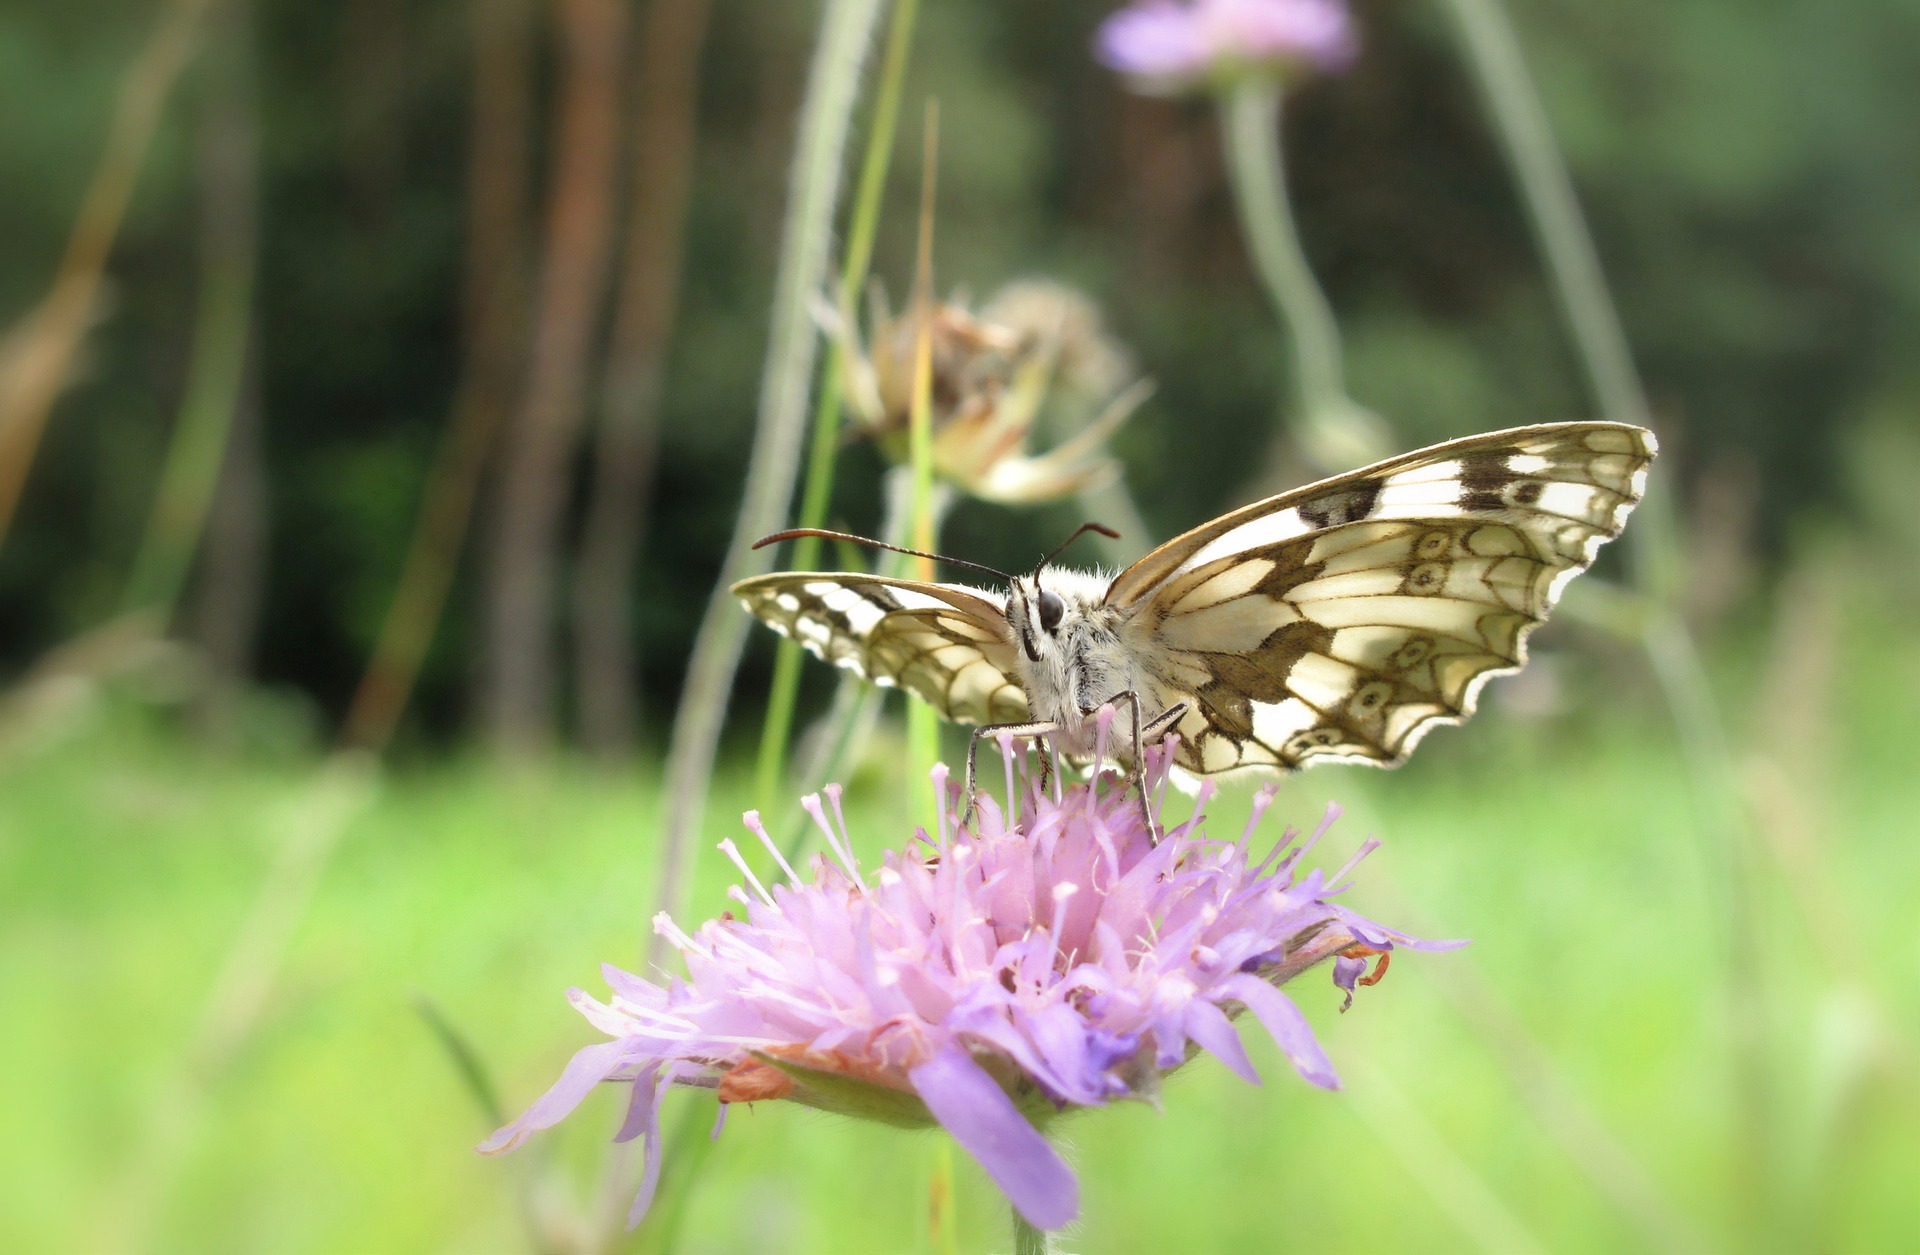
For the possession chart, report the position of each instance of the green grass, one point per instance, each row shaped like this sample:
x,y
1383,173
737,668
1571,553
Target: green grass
x,y
127,862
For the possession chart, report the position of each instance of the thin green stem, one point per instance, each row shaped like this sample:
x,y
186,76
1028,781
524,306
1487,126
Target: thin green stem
x,y
1701,731
1513,102
817,494
833,86
306,832
826,116
1250,116
842,731
923,724
190,476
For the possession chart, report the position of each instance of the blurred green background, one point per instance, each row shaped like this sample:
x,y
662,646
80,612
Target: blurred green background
x,y
359,230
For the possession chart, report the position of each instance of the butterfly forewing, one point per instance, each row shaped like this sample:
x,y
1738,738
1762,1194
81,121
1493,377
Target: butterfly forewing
x,y
1347,618
1341,620
945,642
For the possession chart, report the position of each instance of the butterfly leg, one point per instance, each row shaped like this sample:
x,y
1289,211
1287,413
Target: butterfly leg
x,y
1162,723
1137,772
1046,766
1038,728
1155,726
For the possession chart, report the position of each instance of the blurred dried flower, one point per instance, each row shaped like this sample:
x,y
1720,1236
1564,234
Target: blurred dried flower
x,y
1169,47
988,981
1089,365
1038,346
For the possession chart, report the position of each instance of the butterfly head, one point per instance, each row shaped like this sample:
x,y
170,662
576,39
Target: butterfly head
x,y
1051,607
1046,606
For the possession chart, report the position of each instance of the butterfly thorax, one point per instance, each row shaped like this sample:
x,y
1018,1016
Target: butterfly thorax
x,y
1072,654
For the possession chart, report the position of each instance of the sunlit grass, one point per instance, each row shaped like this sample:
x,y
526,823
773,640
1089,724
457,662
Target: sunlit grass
x,y
126,862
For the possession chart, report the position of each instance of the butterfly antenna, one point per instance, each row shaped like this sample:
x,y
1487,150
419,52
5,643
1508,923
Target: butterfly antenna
x,y
798,532
1082,530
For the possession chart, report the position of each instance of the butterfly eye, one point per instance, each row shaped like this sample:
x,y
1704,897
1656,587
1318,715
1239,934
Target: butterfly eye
x,y
1051,608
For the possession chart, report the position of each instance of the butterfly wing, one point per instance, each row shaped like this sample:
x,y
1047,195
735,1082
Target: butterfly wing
x,y
948,643
1347,618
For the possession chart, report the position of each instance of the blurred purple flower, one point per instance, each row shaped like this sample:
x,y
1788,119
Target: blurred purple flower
x,y
1177,45
986,981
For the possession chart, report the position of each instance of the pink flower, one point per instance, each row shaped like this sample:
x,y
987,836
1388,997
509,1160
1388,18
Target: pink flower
x,y
987,981
1170,46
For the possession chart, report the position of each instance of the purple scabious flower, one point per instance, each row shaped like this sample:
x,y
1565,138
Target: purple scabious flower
x,y
1173,46
987,979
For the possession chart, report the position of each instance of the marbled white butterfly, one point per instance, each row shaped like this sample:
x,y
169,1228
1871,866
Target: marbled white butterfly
x,y
1340,620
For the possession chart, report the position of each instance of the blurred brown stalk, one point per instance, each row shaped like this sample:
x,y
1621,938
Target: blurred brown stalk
x,y
316,823
627,449
834,80
40,364
197,447
228,536
518,685
493,315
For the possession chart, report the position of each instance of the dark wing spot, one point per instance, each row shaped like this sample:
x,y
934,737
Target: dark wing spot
x,y
1483,477
1239,680
1371,697
1349,504
1291,568
1316,738
1527,493
1412,653
1426,579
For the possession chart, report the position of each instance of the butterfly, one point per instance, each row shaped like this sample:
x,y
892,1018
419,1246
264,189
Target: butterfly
x,y
1343,620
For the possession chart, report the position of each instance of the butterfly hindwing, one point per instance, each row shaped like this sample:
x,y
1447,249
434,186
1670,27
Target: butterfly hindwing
x,y
1347,618
945,642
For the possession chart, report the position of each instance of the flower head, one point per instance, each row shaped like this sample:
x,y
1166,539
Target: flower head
x,y
1173,46
986,980
1037,347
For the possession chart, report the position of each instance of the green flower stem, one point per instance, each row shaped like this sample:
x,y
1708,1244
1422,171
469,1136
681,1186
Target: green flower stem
x,y
817,494
1028,1240
1250,116
841,732
190,475
833,84
1513,103
923,724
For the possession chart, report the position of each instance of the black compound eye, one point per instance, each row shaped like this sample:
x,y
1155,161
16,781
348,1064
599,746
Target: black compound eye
x,y
1051,608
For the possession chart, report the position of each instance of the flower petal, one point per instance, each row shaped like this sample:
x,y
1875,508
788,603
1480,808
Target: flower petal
x,y
1280,1017
650,1177
640,1107
1209,1025
585,1070
985,1122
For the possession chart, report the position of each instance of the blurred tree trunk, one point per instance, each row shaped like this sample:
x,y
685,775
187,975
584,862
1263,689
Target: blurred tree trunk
x,y
664,129
197,450
233,568
373,101
37,363
493,314
225,614
540,445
